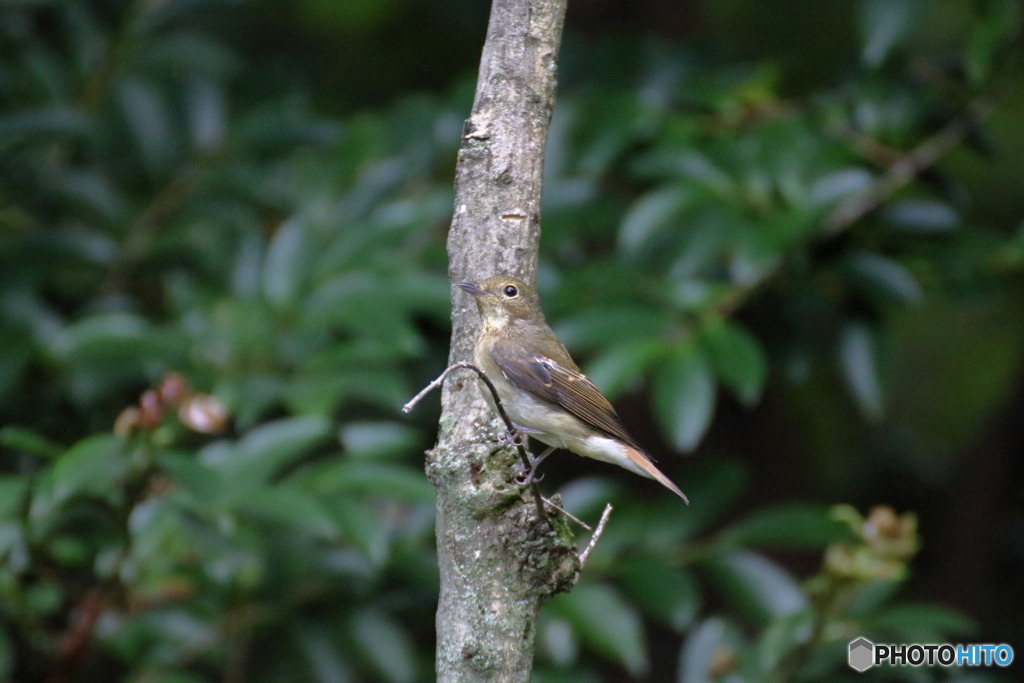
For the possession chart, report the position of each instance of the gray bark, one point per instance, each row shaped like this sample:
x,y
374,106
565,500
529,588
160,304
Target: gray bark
x,y
498,560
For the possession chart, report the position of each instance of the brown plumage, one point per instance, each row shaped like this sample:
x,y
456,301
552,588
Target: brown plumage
x,y
541,388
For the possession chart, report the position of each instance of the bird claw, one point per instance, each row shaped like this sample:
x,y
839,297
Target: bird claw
x,y
530,477
514,439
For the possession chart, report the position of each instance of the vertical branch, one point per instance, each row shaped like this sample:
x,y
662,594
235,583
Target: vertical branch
x,y
497,560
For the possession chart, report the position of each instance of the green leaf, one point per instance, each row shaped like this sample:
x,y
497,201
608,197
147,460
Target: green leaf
x,y
838,185
318,391
186,52
616,369
385,644
869,598
684,397
110,352
323,654
737,358
754,257
755,584
87,36
353,302
146,111
921,216
377,440
556,638
857,359
884,24
287,263
717,485
95,465
701,647
648,215
248,266
21,439
264,451
161,537
11,490
789,525
205,100
362,524
657,524
587,496
288,506
700,169
782,635
383,479
44,123
70,552
611,325
43,598
606,622
707,239
112,348
205,485
100,330
670,594
999,22
883,278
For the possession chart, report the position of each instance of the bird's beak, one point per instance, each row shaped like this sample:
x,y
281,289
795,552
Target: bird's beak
x,y
471,288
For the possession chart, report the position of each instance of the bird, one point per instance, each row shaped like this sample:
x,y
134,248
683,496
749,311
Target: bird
x,y
541,389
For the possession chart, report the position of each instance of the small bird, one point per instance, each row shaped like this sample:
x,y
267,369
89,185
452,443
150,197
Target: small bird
x,y
542,390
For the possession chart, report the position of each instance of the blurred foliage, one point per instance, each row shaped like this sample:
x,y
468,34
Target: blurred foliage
x,y
214,298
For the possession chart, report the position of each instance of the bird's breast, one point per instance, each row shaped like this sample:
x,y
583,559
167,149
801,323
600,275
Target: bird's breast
x,y
548,423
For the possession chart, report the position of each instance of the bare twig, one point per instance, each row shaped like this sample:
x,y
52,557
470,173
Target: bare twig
x,y
902,171
539,499
597,535
434,385
79,635
568,514
145,227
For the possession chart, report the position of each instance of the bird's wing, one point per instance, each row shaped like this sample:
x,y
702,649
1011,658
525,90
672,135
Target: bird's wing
x,y
570,390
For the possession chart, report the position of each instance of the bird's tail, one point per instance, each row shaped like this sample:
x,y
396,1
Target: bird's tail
x,y
648,469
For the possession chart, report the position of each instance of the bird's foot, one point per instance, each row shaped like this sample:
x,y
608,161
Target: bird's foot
x,y
514,439
517,437
531,475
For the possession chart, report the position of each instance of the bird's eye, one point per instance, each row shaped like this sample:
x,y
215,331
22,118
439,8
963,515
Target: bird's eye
x,y
511,292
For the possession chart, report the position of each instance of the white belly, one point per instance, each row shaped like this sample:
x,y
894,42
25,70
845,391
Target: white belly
x,y
556,427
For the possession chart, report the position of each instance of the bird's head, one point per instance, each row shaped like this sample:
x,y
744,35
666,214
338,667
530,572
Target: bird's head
x,y
502,300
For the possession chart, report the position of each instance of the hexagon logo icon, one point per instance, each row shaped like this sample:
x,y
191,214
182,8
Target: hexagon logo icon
x,y
862,654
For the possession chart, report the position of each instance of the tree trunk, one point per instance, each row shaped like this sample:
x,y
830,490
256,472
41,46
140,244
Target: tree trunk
x,y
498,559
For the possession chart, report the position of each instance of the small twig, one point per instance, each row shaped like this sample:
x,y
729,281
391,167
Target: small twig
x,y
568,514
501,412
903,170
494,393
435,384
143,229
76,640
597,535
